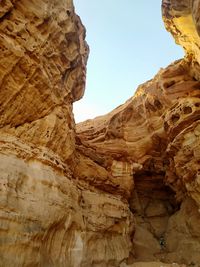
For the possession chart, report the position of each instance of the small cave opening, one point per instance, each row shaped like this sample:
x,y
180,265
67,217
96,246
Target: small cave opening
x,y
152,203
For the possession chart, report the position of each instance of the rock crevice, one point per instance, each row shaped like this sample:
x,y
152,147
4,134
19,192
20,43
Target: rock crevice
x,y
108,192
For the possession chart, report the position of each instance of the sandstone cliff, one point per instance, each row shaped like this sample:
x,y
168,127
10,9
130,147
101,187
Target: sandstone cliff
x,y
111,192
48,217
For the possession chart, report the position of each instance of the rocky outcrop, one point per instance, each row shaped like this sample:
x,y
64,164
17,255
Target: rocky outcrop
x,y
154,138
49,217
181,18
116,191
141,136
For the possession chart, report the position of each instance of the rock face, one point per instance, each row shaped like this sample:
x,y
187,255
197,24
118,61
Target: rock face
x,y
48,217
142,136
182,20
110,192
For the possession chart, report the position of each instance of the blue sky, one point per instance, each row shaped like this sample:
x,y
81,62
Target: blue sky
x,y
128,45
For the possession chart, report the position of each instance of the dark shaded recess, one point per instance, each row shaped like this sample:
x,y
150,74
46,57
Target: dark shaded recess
x,y
6,15
151,185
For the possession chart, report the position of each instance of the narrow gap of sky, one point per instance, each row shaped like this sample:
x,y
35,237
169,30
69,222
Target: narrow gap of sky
x,y
128,45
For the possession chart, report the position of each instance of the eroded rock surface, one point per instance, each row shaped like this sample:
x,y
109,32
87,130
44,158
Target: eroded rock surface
x,y
143,133
154,137
116,191
182,20
48,217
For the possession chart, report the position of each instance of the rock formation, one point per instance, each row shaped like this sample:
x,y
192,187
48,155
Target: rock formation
x,y
115,191
49,215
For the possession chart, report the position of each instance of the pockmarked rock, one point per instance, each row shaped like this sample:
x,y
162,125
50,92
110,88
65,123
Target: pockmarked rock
x,y
49,216
120,190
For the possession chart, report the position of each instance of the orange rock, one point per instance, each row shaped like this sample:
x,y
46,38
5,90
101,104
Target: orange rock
x,y
119,190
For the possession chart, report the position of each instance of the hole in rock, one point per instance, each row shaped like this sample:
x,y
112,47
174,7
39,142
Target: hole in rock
x,y
68,12
197,104
187,110
152,203
166,126
175,118
157,104
169,84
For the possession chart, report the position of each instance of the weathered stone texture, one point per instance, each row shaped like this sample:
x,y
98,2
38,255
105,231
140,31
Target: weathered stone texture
x,y
48,217
120,190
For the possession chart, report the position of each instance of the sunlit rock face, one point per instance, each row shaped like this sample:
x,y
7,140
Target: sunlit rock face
x,y
42,71
182,20
154,137
118,191
48,217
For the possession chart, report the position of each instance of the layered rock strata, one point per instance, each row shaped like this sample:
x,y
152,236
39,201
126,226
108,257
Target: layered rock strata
x,y
155,134
49,216
143,134
111,192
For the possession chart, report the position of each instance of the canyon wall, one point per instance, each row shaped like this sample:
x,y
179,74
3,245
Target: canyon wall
x,y
110,192
48,217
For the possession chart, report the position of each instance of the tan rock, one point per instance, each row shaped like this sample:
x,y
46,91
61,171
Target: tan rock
x,y
119,190
156,264
50,216
181,18
183,235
